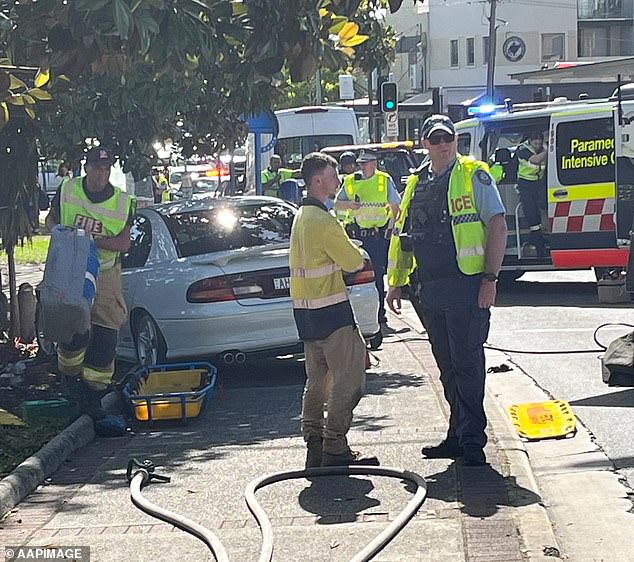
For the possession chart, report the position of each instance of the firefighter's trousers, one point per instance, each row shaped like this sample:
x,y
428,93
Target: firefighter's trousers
x,y
91,355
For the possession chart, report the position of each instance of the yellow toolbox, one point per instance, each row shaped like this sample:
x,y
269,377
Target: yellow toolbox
x,y
170,392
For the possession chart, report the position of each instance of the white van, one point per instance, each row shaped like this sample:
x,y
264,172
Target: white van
x,y
303,130
309,129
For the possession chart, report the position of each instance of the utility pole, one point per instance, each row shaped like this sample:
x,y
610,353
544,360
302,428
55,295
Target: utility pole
x,y
318,87
370,108
492,49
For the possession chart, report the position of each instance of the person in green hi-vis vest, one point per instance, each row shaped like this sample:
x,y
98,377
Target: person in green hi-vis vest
x,y
275,175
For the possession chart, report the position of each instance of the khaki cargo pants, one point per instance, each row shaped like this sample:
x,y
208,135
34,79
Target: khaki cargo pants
x,y
335,375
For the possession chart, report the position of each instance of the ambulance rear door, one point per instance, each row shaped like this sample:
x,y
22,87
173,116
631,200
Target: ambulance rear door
x,y
624,126
581,188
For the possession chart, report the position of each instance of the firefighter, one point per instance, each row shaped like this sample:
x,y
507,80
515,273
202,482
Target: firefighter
x,y
453,232
335,350
531,184
95,205
372,199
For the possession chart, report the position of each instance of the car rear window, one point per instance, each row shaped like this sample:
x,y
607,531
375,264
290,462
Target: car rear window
x,y
231,227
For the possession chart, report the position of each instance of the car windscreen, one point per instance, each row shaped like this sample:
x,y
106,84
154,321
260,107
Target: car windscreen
x,y
228,228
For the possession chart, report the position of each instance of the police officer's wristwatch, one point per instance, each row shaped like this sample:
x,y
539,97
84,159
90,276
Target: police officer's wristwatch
x,y
490,277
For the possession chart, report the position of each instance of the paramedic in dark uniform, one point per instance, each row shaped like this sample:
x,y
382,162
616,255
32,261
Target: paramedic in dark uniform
x,y
372,202
531,184
452,230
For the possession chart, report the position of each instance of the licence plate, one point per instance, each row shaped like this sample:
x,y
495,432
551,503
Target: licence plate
x,y
281,283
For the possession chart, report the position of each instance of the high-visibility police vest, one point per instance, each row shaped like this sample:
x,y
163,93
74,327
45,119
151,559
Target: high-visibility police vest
x,y
373,196
107,218
274,189
468,231
526,170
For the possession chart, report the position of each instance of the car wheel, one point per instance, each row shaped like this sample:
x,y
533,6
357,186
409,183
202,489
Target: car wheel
x,y
148,341
375,341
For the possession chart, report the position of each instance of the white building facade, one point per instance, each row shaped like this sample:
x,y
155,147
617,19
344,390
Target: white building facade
x,y
443,44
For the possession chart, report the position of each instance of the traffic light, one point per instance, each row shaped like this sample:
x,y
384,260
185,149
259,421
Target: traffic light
x,y
389,97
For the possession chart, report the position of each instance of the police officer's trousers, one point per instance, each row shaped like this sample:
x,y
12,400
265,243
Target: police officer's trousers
x,y
457,329
377,247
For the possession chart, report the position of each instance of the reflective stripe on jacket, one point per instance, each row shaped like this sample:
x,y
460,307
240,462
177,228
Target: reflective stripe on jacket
x,y
468,231
107,218
372,194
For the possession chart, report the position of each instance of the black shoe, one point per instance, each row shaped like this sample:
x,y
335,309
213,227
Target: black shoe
x,y
313,452
474,456
348,458
449,448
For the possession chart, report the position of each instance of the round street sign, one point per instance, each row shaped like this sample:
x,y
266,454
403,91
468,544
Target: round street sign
x,y
514,48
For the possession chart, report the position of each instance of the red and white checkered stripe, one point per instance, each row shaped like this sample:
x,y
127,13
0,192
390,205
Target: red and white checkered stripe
x,y
591,215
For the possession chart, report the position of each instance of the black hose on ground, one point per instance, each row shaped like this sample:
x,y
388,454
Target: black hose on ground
x,y
140,474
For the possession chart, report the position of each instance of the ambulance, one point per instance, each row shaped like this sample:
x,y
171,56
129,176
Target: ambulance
x,y
590,179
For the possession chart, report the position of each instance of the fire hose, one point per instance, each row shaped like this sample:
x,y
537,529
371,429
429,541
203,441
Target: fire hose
x,y
142,473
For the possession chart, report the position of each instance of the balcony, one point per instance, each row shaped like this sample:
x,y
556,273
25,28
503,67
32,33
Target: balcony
x,y
601,10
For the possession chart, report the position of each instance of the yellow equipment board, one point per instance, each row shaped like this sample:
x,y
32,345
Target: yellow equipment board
x,y
543,420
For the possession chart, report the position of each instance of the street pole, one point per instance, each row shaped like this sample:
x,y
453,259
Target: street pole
x,y
318,87
491,53
370,109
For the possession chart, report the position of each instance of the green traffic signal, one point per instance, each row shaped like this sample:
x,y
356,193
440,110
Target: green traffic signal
x,y
389,104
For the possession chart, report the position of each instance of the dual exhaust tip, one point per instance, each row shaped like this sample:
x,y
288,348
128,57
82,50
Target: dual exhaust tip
x,y
234,357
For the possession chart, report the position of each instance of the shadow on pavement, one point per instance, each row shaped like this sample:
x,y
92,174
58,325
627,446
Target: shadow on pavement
x,y
534,293
482,490
617,399
337,500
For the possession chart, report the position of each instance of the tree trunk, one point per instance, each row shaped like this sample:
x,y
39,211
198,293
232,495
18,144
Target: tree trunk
x,y
14,330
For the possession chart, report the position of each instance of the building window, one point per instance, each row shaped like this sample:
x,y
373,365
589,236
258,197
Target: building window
x,y
601,41
485,50
553,47
470,51
453,52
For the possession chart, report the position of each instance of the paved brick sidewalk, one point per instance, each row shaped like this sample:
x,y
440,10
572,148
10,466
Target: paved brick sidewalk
x,y
470,514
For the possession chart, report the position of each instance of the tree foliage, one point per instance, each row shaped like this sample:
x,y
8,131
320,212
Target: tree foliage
x,y
130,72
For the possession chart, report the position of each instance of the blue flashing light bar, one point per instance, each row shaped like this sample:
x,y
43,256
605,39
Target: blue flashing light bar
x,y
485,110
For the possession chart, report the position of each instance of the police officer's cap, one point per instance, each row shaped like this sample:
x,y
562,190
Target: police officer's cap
x,y
99,155
437,123
348,158
366,156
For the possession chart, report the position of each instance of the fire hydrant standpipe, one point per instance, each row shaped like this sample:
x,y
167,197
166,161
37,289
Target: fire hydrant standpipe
x,y
141,473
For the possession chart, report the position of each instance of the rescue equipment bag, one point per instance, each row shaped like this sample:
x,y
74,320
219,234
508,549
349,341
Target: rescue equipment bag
x,y
67,291
617,364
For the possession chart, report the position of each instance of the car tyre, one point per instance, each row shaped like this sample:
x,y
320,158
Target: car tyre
x,y
148,341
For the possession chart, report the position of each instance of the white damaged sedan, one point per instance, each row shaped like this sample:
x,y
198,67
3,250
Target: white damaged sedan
x,y
210,278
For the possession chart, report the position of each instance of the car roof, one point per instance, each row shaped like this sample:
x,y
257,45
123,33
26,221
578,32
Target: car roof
x,y
194,205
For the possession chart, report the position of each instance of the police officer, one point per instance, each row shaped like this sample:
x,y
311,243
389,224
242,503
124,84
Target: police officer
x,y
452,230
371,198
531,156
94,204
347,163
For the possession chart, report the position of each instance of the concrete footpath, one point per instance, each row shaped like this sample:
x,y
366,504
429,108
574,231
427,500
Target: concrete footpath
x,y
489,514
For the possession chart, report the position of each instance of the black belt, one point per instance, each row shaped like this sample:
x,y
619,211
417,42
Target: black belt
x,y
370,232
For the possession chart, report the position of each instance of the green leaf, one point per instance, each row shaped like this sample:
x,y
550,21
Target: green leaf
x,y
239,8
40,94
16,83
42,77
123,18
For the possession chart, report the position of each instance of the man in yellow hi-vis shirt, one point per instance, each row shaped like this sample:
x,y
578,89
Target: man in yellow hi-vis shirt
x,y
335,350
275,175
